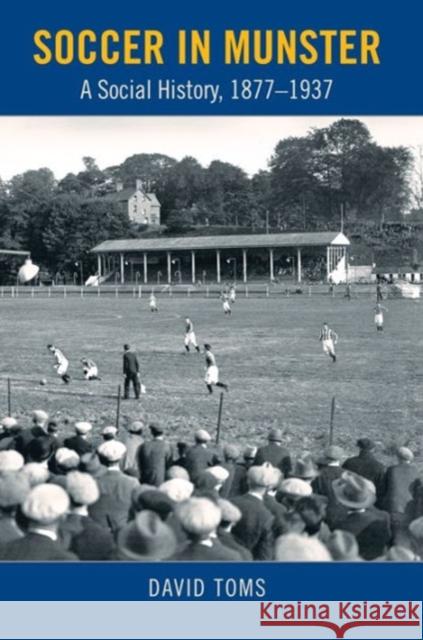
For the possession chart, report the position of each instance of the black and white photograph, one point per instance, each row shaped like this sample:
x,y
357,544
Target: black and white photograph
x,y
211,339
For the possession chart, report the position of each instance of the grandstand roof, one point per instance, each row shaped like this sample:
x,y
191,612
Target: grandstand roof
x,y
256,241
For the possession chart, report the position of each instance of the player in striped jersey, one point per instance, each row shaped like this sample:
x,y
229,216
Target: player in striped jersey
x,y
212,372
190,337
328,338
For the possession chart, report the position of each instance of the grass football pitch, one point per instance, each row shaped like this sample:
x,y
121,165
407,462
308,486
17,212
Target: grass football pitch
x,y
267,352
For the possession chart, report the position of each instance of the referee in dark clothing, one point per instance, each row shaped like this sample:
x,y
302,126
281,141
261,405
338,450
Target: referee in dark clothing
x,y
131,371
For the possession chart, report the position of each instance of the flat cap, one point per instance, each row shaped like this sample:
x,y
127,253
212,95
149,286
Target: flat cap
x,y
405,454
260,475
83,427
334,453
230,513
46,503
176,471
8,422
10,461
294,547
39,416
231,452
136,427
220,473
112,450
67,458
177,489
202,436
36,473
198,516
109,432
295,487
82,488
14,487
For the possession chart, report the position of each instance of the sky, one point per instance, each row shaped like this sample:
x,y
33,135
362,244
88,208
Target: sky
x,y
60,142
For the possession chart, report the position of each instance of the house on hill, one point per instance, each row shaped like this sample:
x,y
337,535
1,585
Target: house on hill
x,y
143,207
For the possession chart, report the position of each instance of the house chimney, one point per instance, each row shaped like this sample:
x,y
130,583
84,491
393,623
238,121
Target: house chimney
x,y
138,184
119,185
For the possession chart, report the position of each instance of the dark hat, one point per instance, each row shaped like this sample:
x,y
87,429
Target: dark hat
x,y
39,449
366,444
304,468
146,538
152,500
354,491
275,435
312,509
156,429
126,347
91,464
52,427
343,546
207,345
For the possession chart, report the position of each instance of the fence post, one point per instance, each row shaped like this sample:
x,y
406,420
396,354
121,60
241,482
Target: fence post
x,y
207,292
116,292
170,291
246,291
98,292
12,292
133,292
82,292
139,291
309,291
267,291
64,292
32,292
49,292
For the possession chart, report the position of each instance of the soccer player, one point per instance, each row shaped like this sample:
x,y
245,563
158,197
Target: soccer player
x,y
153,303
90,369
232,294
62,363
226,306
379,309
212,372
328,338
190,337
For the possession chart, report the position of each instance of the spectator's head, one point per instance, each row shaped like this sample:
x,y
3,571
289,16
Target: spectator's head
x,y
260,478
404,454
201,436
220,473
90,463
152,500
45,506
365,445
343,546
415,530
182,448
305,469
354,491
10,462
10,425
231,452
39,418
136,427
39,450
291,490
312,509
275,435
111,453
293,547
249,455
36,473
109,433
83,428
199,517
333,455
66,460
175,471
126,347
230,514
14,488
398,553
146,539
288,522
177,489
82,489
156,430
52,428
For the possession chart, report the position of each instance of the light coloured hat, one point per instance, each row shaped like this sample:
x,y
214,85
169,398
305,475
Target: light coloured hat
x,y
67,458
146,538
109,431
82,488
416,529
295,487
334,453
231,452
11,461
294,547
177,489
112,450
343,546
39,416
46,503
136,427
261,475
83,428
198,516
405,454
36,472
8,422
14,488
230,512
398,553
220,473
277,476
176,471
354,491
202,436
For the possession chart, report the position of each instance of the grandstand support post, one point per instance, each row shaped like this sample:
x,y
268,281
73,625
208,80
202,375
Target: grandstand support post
x,y
193,267
169,267
99,265
219,418
122,268
332,421
299,270
9,397
327,263
144,259
139,291
218,266
271,266
118,408
244,265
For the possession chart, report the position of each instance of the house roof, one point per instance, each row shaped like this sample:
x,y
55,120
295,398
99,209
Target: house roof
x,y
257,241
125,194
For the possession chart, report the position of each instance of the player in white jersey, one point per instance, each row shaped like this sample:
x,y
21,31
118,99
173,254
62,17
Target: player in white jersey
x,y
62,363
328,338
90,369
226,306
379,309
232,294
153,303
190,337
212,372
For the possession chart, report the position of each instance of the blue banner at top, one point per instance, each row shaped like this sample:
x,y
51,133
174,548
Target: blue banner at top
x,y
157,58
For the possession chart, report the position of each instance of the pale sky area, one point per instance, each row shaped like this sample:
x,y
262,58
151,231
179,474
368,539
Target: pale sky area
x,y
60,142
